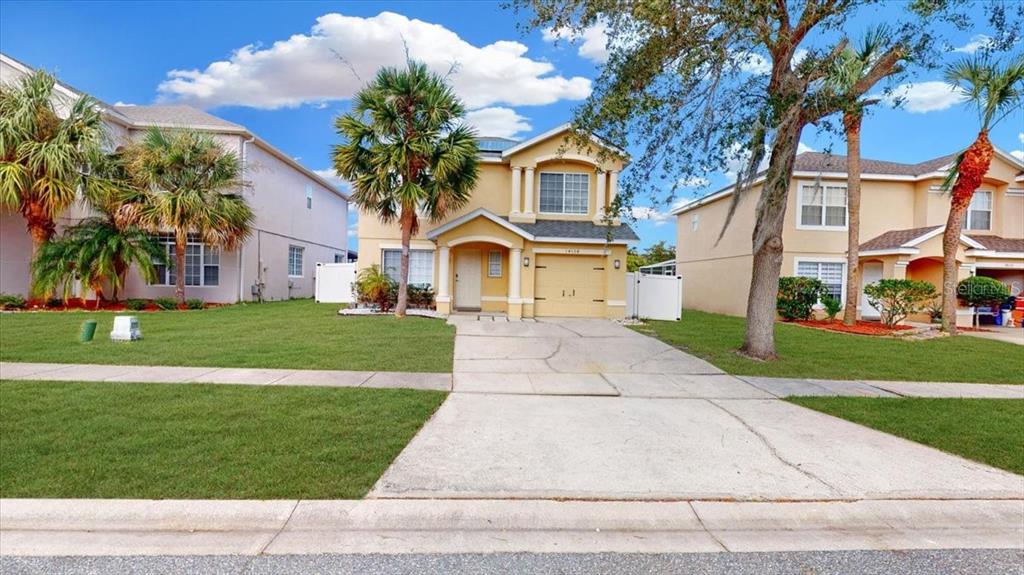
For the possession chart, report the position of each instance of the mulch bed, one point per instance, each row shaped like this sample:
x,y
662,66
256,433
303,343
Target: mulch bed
x,y
860,328
74,304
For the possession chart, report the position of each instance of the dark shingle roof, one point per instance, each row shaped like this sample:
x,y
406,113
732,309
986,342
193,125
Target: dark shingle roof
x,y
175,116
577,230
1000,244
819,162
893,239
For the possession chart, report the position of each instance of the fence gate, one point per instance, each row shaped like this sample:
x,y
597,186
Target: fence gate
x,y
334,283
654,296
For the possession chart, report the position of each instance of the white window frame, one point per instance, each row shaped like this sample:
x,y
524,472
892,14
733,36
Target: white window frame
x,y
991,211
384,267
301,250
842,290
586,207
340,259
800,225
167,240
494,264
695,222
309,197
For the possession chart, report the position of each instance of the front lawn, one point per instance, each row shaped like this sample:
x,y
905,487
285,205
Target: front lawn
x,y
819,354
985,430
191,441
297,334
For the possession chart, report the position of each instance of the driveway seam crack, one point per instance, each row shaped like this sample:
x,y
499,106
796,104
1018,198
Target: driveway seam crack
x,y
771,448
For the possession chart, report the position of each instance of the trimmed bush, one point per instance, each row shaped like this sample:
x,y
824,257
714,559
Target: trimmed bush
x,y
896,299
374,287
797,295
12,301
54,302
421,295
832,306
135,304
166,303
982,291
195,303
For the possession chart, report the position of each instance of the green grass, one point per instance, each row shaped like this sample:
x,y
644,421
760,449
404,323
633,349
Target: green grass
x,y
812,353
136,440
985,430
291,334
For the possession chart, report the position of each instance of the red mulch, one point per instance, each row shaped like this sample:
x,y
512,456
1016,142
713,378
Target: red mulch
x,y
973,329
90,305
860,328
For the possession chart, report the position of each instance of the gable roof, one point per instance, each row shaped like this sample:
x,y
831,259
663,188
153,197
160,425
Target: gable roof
x,y
555,132
175,117
569,231
1000,244
906,241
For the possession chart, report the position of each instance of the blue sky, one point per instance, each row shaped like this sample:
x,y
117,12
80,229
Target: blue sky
x,y
269,66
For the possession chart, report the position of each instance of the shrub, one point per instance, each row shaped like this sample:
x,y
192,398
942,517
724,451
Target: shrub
x,y
195,303
11,301
832,306
373,286
797,295
421,295
982,291
896,299
135,304
166,303
54,302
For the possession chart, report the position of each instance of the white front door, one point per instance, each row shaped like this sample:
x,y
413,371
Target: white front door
x,y
870,272
467,279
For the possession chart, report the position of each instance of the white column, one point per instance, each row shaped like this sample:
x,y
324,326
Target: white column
x,y
517,176
515,265
442,274
599,209
528,191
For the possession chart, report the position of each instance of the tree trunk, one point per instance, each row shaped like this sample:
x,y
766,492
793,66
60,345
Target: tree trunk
x,y
852,121
950,269
41,226
180,241
767,239
407,222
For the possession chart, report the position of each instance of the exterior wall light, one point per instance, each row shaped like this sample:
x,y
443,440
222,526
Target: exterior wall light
x,y
526,261
617,264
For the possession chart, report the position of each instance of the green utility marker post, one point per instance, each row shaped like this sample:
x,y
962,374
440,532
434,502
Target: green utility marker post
x,y
88,331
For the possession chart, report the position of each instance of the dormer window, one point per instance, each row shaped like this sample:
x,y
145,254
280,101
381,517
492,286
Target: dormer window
x,y
564,193
979,213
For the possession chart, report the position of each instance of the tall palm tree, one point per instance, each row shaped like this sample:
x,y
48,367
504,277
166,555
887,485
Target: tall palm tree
x,y
43,156
850,68
192,186
996,92
406,151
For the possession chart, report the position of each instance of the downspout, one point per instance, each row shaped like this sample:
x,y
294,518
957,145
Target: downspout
x,y
241,247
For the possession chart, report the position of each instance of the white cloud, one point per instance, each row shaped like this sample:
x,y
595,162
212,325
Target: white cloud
x,y
738,158
692,182
592,41
1020,137
332,177
924,97
1019,154
498,122
120,103
651,214
978,42
306,68
754,63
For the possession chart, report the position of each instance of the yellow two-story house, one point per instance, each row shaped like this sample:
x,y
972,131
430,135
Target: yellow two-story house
x,y
533,240
903,214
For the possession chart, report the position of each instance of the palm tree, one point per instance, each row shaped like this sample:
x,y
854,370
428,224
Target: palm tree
x,y
850,68
405,151
191,186
996,93
44,157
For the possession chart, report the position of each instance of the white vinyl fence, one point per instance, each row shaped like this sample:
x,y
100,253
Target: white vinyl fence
x,y
654,296
334,283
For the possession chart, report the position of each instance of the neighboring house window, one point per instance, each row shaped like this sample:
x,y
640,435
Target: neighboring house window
x,y
421,266
202,262
494,264
979,213
339,259
822,206
695,222
295,261
830,273
564,193
309,197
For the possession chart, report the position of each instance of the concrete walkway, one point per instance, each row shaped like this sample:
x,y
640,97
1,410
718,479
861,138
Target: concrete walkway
x,y
226,375
78,527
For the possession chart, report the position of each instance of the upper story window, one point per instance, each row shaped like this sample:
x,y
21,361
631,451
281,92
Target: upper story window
x,y
979,213
564,193
295,254
309,197
695,222
202,262
822,206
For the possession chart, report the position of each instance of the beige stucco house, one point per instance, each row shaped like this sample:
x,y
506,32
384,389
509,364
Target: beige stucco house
x,y
533,240
903,214
301,218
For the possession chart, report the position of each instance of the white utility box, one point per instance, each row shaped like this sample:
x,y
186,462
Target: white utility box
x,y
126,328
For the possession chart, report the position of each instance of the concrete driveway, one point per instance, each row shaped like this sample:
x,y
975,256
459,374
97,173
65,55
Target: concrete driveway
x,y
585,409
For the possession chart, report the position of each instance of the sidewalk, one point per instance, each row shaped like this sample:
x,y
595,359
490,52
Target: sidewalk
x,y
169,527
615,385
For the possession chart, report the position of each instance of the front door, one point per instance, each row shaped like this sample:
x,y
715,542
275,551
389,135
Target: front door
x,y
870,272
467,279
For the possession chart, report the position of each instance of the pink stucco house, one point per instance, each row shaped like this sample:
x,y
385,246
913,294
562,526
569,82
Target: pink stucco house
x,y
301,218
